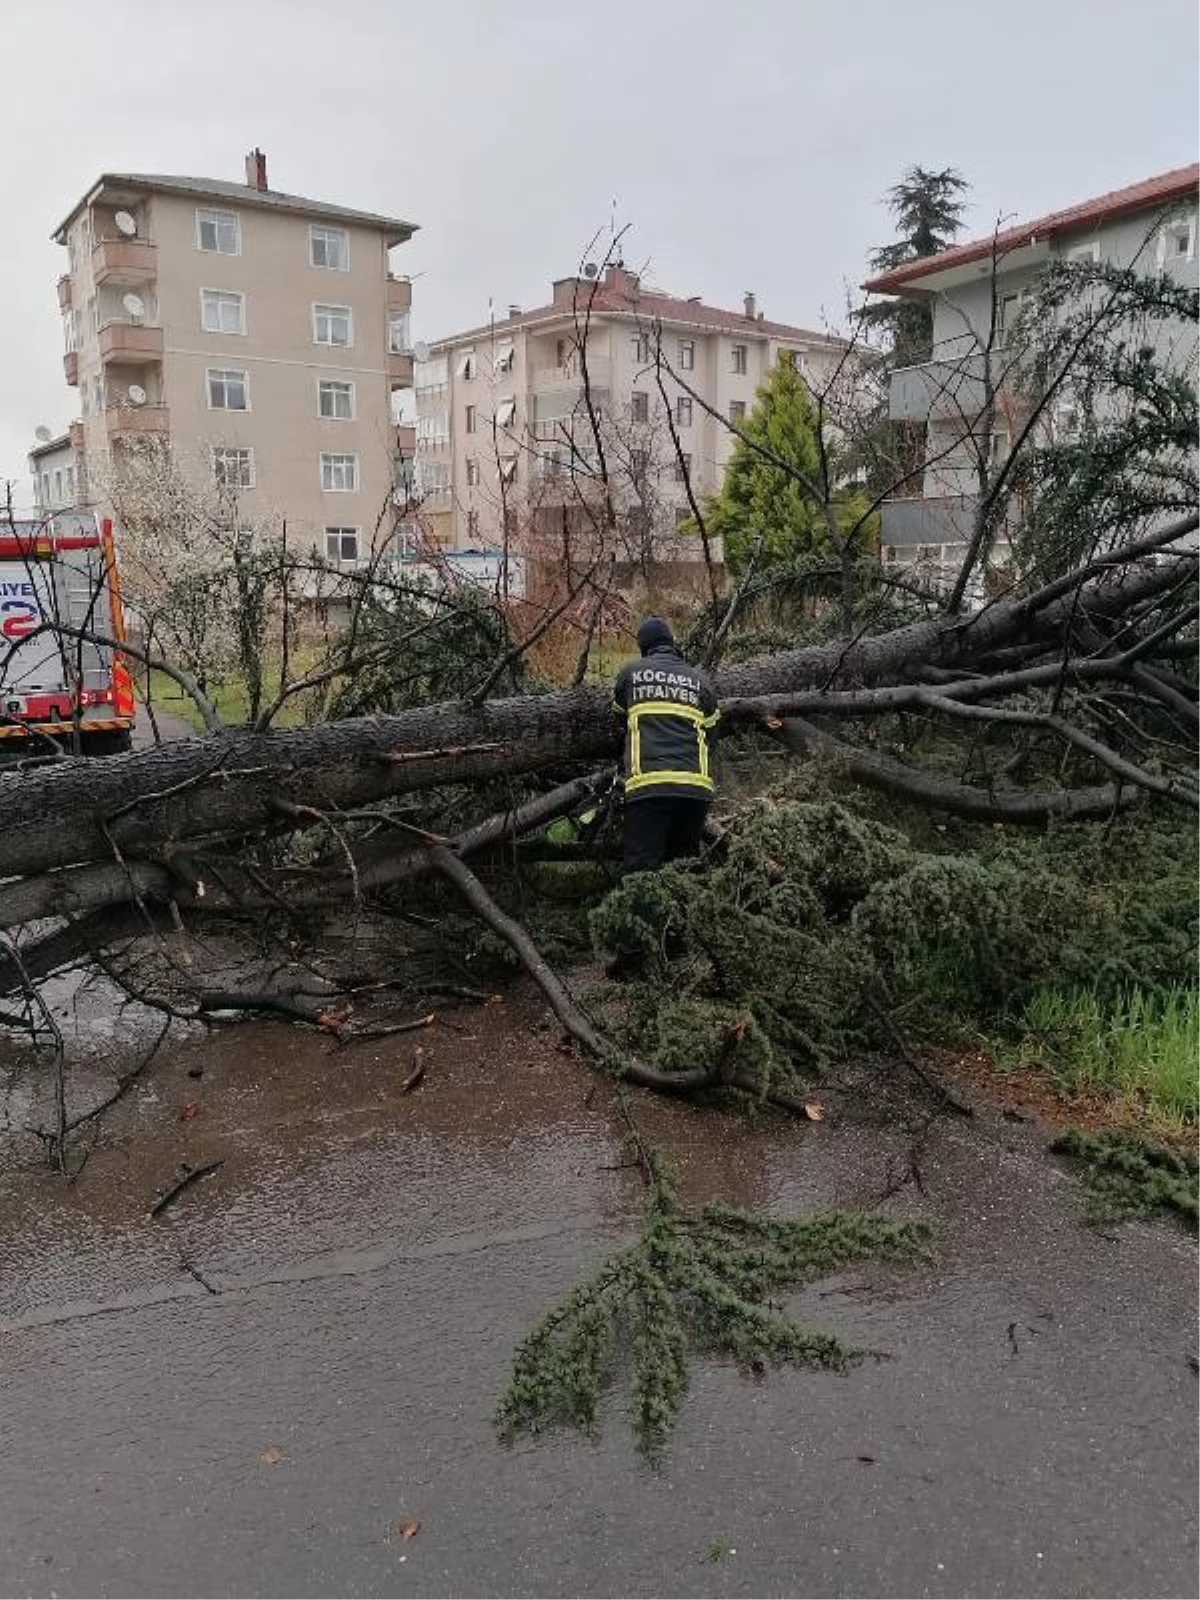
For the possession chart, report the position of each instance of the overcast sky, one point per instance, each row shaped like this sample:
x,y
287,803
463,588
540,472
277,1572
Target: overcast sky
x,y
746,143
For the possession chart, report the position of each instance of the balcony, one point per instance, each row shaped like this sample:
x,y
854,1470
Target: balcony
x,y
71,367
131,343
399,369
938,391
135,422
568,377
399,293
930,519
124,261
64,292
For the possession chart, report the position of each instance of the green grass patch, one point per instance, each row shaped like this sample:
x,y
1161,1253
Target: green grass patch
x,y
229,698
1140,1045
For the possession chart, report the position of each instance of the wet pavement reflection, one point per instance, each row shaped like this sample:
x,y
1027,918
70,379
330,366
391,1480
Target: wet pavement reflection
x,y
262,1389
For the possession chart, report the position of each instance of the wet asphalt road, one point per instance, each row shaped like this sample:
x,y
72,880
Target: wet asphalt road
x,y
255,1393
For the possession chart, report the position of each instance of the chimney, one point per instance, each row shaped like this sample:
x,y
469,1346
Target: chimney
x,y
256,169
514,311
750,305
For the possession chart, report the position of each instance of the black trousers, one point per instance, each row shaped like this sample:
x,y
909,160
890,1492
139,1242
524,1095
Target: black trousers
x,y
662,828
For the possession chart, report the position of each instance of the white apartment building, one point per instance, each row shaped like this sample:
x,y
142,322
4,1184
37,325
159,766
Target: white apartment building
x,y
503,424
1150,226
54,468
261,333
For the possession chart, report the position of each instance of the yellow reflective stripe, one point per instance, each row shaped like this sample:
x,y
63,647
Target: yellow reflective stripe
x,y
667,708
712,720
702,742
635,748
646,780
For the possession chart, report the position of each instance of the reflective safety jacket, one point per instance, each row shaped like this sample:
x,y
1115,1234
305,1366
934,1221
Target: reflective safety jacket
x,y
670,708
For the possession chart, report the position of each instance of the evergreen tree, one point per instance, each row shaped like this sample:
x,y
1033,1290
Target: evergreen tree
x,y
928,208
761,505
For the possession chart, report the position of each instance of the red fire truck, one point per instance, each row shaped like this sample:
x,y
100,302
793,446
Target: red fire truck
x,y
60,602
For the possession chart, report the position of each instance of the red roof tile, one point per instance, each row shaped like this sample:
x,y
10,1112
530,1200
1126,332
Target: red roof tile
x,y
1178,184
625,297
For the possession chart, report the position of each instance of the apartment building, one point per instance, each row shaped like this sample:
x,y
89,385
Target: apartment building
x,y
58,482
976,291
504,428
263,334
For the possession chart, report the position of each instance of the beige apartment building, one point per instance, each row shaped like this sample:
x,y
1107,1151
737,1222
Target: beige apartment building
x,y
264,335
503,424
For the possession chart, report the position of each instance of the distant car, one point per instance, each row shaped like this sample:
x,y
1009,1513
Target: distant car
x,y
58,585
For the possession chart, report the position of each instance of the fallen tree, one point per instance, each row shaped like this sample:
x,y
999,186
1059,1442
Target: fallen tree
x,y
1080,631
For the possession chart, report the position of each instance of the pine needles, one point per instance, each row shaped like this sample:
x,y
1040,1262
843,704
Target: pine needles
x,y
693,1280
1124,1176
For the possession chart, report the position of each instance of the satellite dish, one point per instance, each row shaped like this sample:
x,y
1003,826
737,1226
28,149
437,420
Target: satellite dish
x,y
126,224
43,434
136,395
591,270
420,351
134,305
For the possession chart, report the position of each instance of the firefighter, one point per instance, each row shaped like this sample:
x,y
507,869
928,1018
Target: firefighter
x,y
670,710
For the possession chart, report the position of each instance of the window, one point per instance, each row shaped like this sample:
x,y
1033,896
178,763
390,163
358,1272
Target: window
x,y
329,247
339,474
466,365
505,412
640,407
687,355
639,463
1082,253
58,483
683,411
70,475
219,232
76,329
472,473
399,343
1177,241
233,469
84,405
434,476
341,544
508,469
222,311
1007,313
331,325
97,394
335,400
562,352
641,348
433,427
68,322
469,423
998,449
228,390
505,354
739,358
472,525
45,490
683,468
737,412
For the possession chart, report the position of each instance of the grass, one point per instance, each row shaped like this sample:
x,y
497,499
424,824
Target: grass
x,y
228,697
1141,1047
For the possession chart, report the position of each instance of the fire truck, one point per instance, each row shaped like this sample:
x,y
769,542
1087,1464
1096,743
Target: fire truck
x,y
61,679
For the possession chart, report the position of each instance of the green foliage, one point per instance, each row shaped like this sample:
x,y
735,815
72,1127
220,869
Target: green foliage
x,y
765,508
928,208
818,921
692,1280
1126,341
1140,1044
412,662
1127,1177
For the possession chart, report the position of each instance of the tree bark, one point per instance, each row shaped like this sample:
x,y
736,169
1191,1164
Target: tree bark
x,y
157,802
